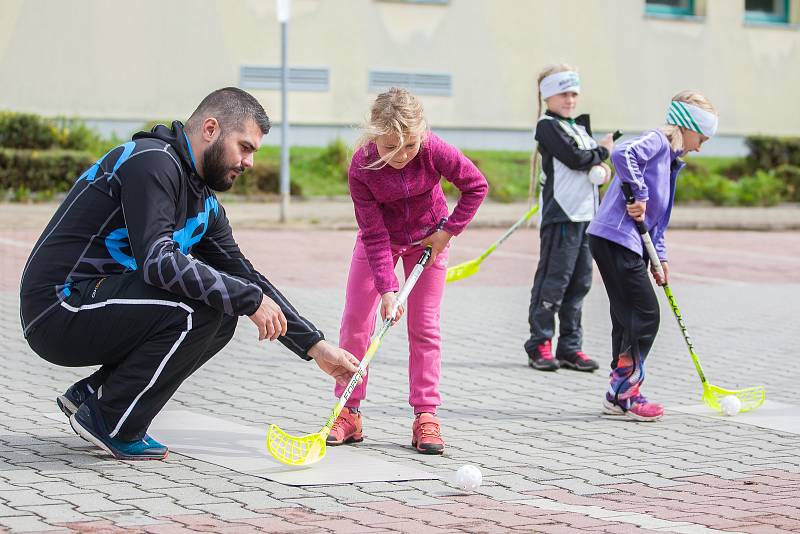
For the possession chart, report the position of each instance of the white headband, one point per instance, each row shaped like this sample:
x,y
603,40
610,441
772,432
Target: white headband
x,y
692,118
560,82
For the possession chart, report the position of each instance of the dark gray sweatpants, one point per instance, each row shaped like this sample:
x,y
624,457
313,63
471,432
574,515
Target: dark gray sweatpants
x,y
562,280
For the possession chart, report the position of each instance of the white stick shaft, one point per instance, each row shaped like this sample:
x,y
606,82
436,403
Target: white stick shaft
x,y
651,251
517,224
408,285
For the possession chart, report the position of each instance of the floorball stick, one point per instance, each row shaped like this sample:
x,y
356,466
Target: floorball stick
x,y
468,268
751,397
310,449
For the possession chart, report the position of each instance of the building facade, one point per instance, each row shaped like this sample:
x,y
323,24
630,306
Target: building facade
x,y
474,63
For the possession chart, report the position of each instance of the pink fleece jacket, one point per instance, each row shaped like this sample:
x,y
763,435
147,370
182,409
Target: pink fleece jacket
x,y
404,206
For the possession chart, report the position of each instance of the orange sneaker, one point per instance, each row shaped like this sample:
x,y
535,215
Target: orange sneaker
x,y
427,434
346,429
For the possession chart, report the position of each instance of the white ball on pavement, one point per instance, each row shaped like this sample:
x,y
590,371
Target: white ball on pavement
x,y
731,405
597,175
468,477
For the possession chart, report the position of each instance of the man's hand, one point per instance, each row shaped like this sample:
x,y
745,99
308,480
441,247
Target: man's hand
x,y
388,301
637,210
438,242
335,361
269,319
661,281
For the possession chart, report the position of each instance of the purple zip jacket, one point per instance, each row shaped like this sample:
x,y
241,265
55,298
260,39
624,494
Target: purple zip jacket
x,y
404,206
650,165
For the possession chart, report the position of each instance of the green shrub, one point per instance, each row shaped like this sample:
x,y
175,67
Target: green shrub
x,y
720,191
767,153
41,171
337,154
790,176
761,189
73,134
696,167
263,178
702,186
26,131
690,187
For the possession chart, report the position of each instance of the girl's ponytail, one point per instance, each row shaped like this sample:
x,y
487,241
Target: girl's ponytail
x,y
533,189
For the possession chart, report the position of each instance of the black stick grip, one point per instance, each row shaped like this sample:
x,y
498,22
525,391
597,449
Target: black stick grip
x,y
426,254
627,190
616,135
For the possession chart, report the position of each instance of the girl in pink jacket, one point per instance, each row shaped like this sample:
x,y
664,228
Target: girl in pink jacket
x,y
394,181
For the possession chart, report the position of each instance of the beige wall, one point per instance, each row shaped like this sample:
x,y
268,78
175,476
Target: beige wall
x,y
107,59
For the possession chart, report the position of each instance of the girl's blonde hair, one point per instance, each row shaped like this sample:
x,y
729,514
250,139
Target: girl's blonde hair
x,y
397,112
674,132
547,71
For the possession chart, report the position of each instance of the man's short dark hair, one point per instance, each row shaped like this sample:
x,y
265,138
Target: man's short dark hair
x,y
232,107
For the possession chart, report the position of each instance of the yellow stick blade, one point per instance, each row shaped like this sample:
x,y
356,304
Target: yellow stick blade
x,y
295,450
462,270
751,398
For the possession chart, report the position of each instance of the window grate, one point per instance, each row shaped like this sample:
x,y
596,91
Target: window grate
x,y
424,84
300,79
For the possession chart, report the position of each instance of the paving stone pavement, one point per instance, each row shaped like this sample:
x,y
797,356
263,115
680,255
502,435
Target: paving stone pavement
x,y
551,462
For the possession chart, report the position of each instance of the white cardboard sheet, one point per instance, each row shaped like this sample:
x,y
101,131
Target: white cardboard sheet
x,y
243,449
773,415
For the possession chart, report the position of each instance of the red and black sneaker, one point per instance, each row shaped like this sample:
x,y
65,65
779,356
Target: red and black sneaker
x,y
578,361
541,358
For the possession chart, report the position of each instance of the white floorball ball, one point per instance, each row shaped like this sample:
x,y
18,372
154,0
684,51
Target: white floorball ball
x,y
468,477
597,175
731,405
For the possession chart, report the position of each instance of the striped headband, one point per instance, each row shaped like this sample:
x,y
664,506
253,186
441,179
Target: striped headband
x,y
692,118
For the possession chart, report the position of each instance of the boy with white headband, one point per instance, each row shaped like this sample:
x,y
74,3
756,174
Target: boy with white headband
x,y
568,201
651,165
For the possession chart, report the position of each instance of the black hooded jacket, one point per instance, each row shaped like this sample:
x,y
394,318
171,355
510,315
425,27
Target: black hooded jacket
x,y
142,207
568,152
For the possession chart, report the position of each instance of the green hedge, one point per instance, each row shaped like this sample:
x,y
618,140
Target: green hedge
x,y
29,131
772,152
40,157
263,178
44,172
24,130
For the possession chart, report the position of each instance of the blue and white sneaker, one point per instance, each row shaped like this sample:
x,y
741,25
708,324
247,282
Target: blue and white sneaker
x,y
89,424
75,395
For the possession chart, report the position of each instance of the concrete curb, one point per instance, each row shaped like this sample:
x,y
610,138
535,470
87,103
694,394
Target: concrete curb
x,y
337,214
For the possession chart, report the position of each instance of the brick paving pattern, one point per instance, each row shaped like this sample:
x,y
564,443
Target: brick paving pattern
x,y
550,461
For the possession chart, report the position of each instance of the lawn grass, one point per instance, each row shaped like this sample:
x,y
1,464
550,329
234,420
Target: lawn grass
x,y
320,171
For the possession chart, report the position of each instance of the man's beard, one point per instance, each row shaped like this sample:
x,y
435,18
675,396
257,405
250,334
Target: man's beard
x,y
215,171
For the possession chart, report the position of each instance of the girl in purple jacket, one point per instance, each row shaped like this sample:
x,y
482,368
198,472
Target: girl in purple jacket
x,y
650,163
394,180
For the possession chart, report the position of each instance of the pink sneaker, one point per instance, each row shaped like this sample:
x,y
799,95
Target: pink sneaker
x,y
639,408
642,410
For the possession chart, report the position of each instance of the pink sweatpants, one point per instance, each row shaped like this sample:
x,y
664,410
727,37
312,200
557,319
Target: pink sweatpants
x,y
422,314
